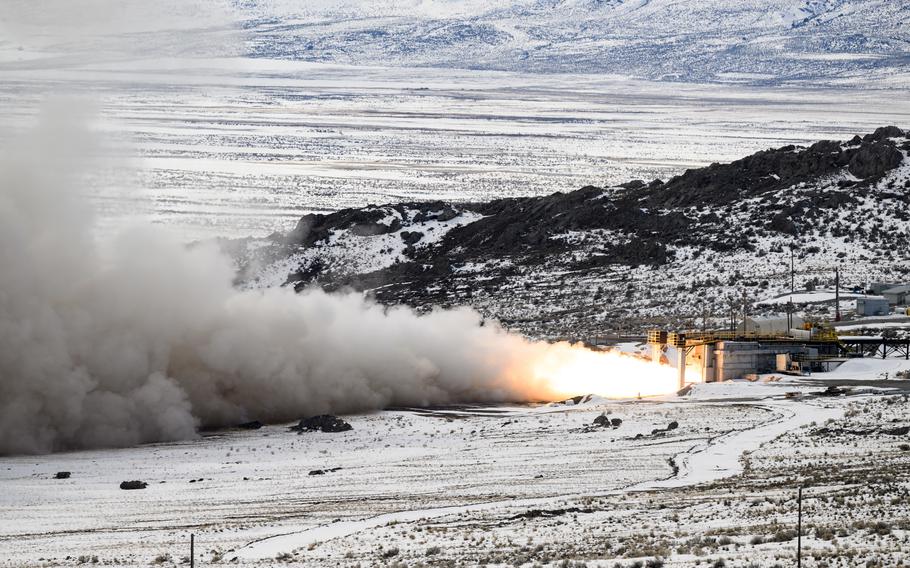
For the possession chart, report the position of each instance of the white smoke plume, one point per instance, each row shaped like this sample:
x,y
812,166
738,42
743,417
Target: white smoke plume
x,y
144,339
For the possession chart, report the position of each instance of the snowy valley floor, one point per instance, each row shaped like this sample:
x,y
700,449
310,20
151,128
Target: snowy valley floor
x,y
515,485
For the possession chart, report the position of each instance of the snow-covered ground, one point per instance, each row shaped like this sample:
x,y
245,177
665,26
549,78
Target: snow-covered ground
x,y
814,297
235,147
241,116
242,142
249,495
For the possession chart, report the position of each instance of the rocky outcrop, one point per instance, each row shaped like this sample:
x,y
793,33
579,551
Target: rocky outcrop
x,y
506,251
868,158
368,221
874,160
316,227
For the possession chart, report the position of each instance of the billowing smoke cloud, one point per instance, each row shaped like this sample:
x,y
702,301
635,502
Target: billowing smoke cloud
x,y
144,339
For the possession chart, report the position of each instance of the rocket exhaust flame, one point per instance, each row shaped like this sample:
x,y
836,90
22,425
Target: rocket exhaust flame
x,y
569,371
147,340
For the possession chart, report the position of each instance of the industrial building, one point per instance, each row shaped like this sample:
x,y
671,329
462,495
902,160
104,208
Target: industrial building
x,y
723,360
722,356
873,306
897,295
877,288
773,324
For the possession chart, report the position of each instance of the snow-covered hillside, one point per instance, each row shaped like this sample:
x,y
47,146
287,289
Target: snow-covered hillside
x,y
756,41
718,40
600,260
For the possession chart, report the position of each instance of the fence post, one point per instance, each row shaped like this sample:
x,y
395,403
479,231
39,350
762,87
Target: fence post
x,y
799,528
192,550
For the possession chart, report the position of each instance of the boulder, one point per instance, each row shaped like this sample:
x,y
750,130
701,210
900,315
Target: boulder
x,y
254,425
874,160
62,475
634,184
322,423
826,146
447,214
411,237
616,422
884,132
834,390
602,421
131,485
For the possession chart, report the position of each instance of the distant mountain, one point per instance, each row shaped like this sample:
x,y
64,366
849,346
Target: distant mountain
x,y
758,41
621,258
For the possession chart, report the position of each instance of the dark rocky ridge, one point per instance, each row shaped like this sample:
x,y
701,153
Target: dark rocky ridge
x,y
604,235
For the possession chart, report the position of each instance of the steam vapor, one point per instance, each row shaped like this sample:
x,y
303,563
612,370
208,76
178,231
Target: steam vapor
x,y
144,339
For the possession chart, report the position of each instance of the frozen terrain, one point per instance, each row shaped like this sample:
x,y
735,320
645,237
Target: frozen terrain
x,y
408,121
242,116
239,147
755,41
481,485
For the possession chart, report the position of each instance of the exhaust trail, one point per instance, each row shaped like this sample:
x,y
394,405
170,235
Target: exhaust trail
x,y
144,339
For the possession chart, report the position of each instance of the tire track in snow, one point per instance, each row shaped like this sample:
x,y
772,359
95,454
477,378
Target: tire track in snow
x,y
713,459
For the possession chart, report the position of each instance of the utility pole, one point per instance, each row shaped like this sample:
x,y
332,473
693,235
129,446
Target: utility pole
x,y
799,528
745,312
192,551
837,293
792,289
790,315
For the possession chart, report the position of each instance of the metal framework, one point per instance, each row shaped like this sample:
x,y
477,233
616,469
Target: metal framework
x,y
875,347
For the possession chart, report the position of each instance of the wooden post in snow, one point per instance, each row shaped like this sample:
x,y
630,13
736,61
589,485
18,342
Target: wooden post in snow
x,y
799,528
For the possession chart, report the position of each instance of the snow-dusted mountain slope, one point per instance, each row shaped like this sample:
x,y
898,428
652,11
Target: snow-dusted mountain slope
x,y
852,41
598,260
238,126
748,40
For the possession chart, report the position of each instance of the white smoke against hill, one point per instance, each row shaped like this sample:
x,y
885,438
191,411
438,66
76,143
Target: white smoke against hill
x,y
140,338
144,339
